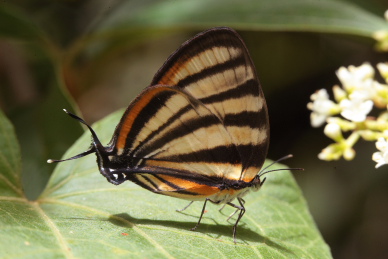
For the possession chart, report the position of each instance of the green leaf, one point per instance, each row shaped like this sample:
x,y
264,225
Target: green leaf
x,y
136,22
277,15
32,57
10,164
133,22
81,215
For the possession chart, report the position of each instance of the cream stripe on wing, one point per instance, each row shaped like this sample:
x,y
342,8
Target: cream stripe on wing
x,y
220,82
247,135
203,60
192,140
208,138
229,171
237,105
172,105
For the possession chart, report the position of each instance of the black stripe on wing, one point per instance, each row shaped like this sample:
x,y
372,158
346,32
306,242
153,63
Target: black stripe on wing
x,y
252,119
191,69
155,133
216,73
213,70
190,130
245,118
216,37
184,129
247,88
219,154
145,115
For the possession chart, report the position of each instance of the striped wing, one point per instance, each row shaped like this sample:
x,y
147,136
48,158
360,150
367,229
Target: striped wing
x,y
177,146
204,118
165,127
215,68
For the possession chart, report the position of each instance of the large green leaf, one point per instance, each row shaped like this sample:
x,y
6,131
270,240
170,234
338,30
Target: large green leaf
x,y
298,15
81,215
131,22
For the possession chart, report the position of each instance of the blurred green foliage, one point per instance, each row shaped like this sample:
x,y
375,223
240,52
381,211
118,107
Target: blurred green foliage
x,y
95,56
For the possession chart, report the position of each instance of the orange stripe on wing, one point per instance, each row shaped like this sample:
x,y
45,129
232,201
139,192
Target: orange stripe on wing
x,y
135,110
200,189
170,77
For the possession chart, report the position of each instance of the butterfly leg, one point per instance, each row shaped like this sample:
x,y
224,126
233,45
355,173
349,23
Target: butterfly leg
x,y
231,215
242,211
200,217
188,205
223,206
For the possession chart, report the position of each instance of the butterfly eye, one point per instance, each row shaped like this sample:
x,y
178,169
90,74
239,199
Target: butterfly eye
x,y
116,178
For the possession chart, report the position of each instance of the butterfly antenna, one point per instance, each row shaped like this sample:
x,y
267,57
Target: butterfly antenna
x,y
280,169
73,157
94,135
96,141
263,172
277,161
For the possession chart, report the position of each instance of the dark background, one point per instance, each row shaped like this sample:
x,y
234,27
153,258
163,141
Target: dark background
x,y
348,199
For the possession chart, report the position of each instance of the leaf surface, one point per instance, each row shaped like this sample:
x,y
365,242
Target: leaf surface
x,y
81,215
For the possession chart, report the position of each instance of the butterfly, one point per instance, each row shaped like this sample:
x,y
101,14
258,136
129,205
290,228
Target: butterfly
x,y
199,132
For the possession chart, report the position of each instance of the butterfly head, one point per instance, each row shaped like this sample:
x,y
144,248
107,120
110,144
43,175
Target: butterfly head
x,y
256,183
103,156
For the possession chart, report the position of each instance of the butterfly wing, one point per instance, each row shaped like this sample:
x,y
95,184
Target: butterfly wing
x,y
175,145
168,128
216,69
203,122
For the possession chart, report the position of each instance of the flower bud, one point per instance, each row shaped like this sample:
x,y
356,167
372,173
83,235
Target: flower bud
x,y
333,131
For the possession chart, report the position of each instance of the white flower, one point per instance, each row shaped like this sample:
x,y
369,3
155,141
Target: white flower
x,y
339,93
326,153
331,152
383,69
355,109
358,79
352,76
381,157
386,15
380,35
349,154
380,100
333,131
365,91
321,107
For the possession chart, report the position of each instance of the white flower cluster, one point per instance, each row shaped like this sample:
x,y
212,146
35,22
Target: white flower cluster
x,y
353,100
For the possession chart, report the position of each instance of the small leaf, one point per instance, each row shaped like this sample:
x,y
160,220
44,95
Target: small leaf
x,y
81,215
